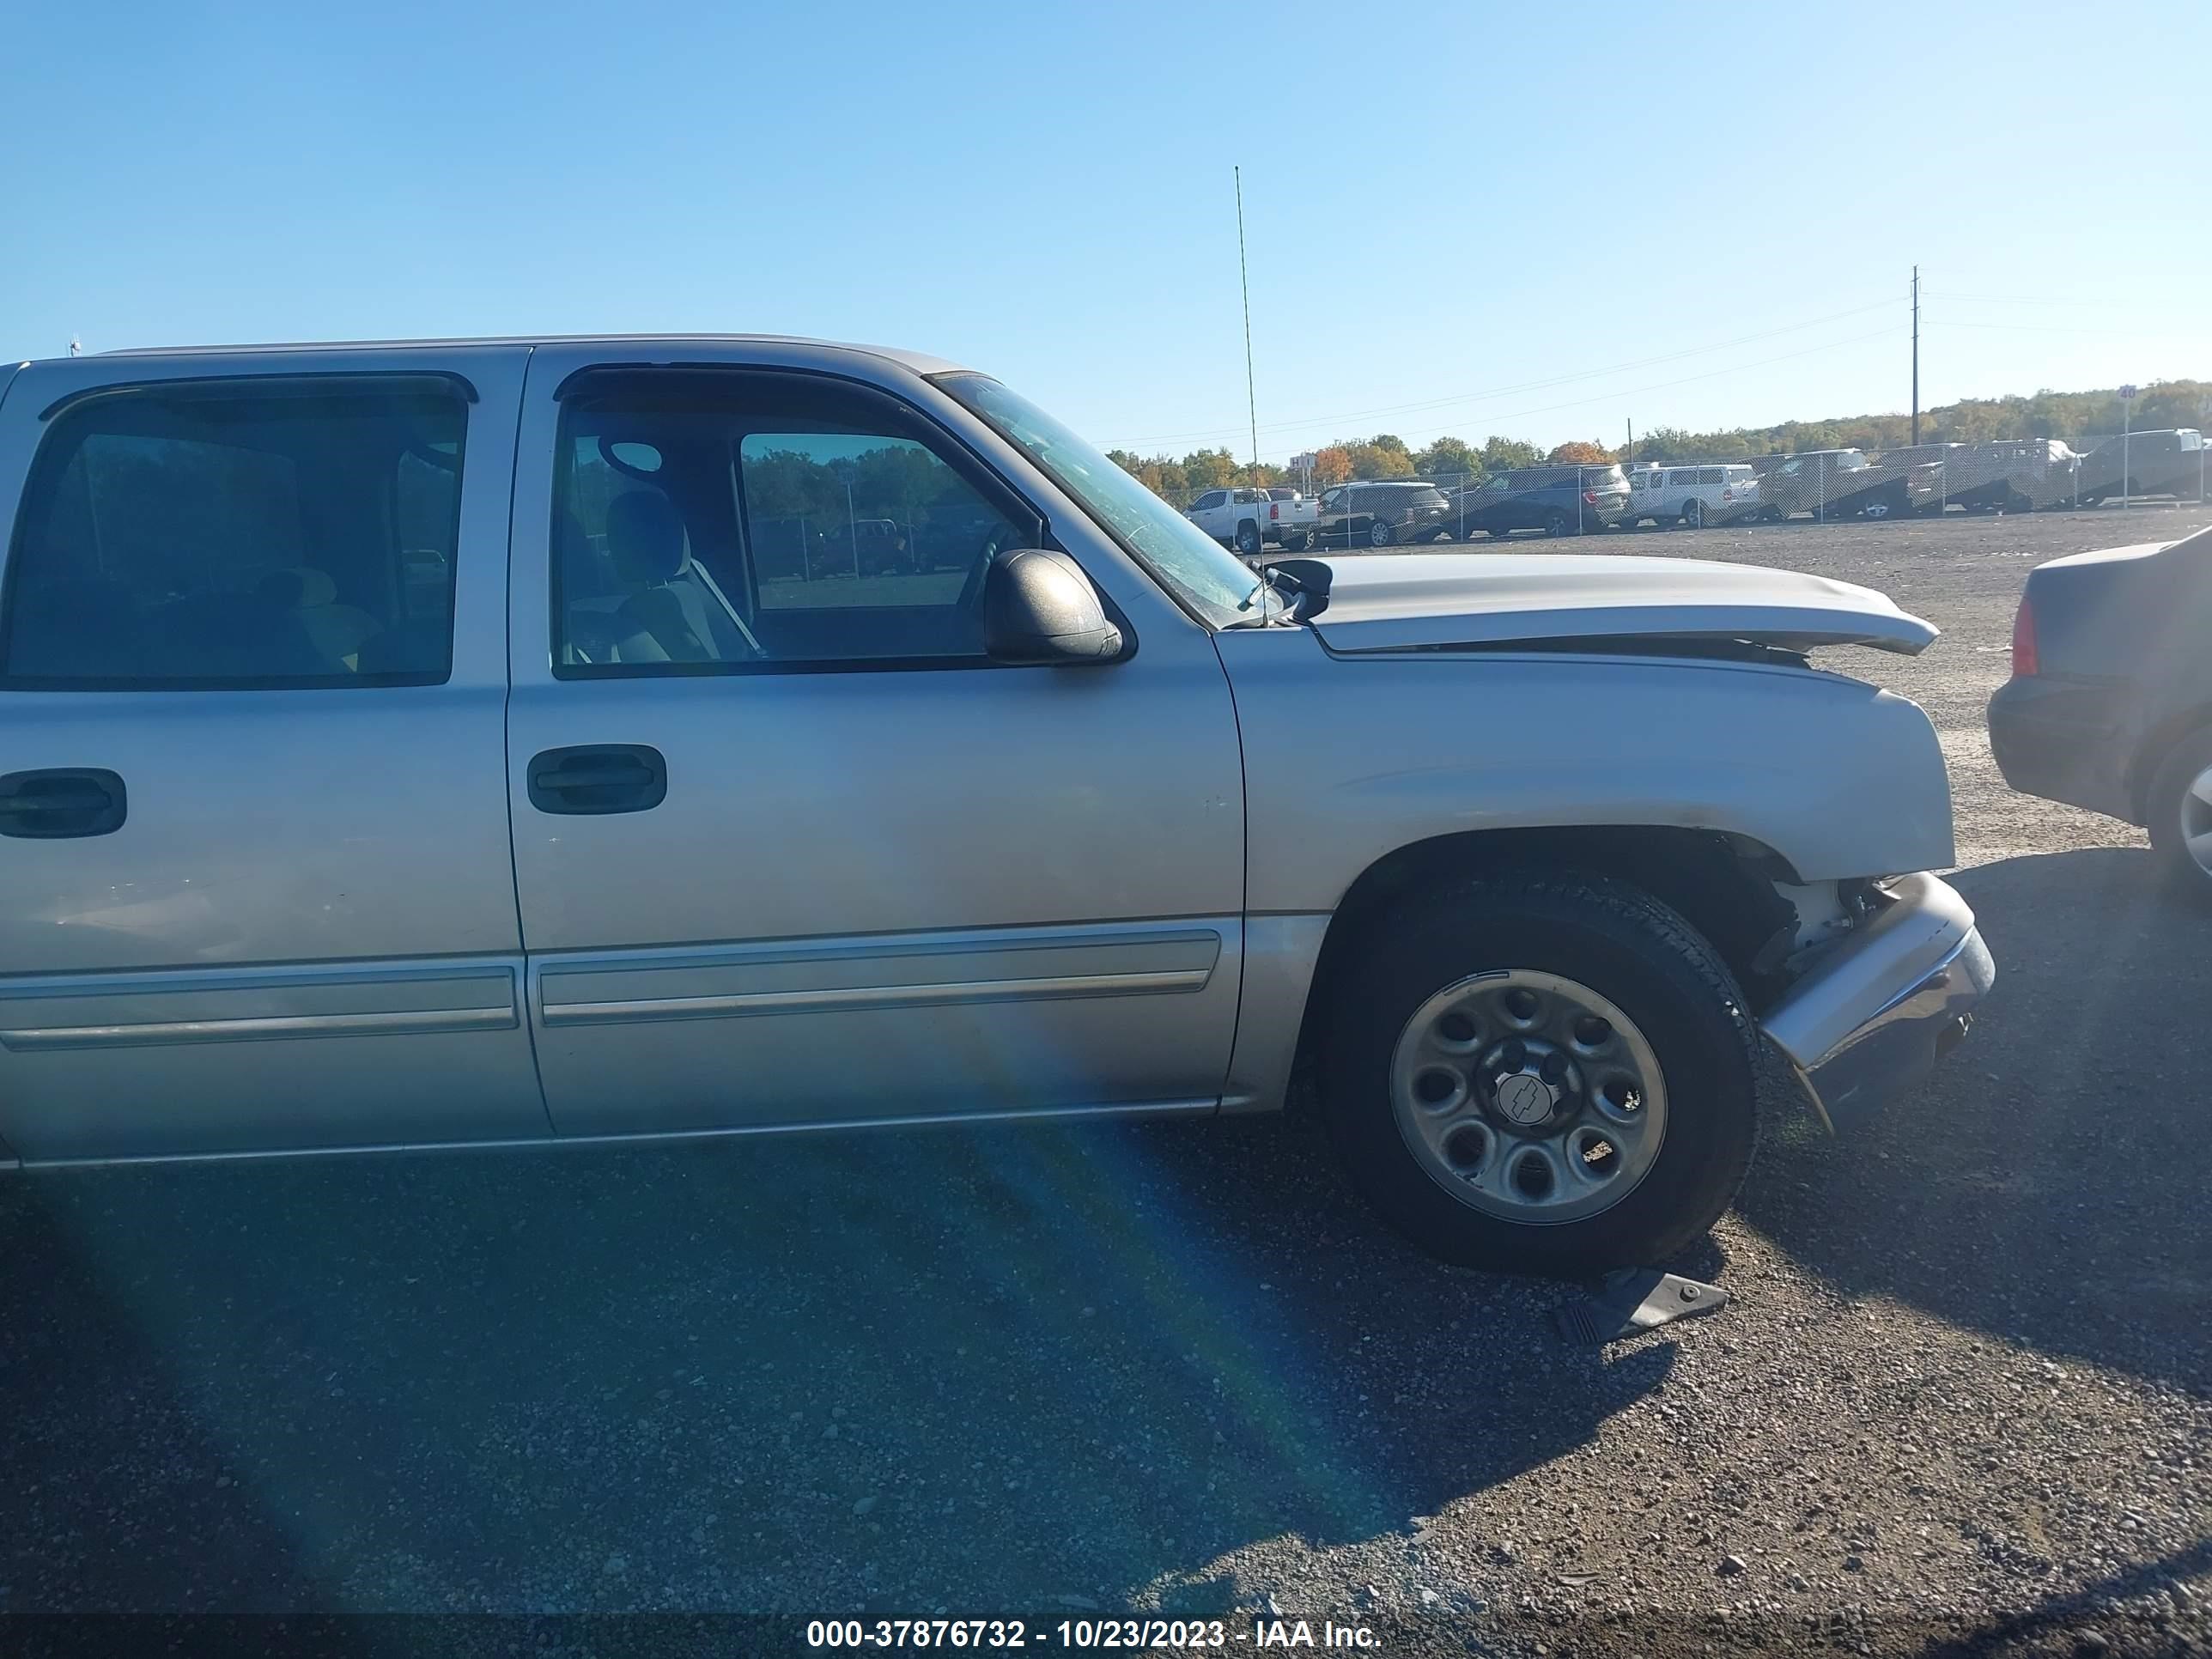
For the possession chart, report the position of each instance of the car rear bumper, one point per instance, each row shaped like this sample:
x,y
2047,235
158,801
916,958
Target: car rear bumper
x,y
2065,740
1869,1022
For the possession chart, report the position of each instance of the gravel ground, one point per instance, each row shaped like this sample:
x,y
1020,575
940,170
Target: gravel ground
x,y
1962,1399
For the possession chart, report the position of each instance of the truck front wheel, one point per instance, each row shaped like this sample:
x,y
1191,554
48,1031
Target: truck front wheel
x,y
1248,538
1539,1072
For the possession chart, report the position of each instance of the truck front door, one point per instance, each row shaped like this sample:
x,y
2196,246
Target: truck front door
x,y
790,849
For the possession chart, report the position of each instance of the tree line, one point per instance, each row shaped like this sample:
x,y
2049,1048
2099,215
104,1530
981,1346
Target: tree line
x,y
2071,414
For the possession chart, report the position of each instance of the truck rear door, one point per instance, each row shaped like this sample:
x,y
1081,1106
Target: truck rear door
x,y
255,892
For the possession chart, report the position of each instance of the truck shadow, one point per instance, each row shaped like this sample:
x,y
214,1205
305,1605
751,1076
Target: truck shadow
x,y
1013,1371
2048,1186
982,1371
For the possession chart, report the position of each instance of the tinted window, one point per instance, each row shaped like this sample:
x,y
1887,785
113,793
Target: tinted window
x,y
760,521
1211,498
1712,474
209,534
1688,474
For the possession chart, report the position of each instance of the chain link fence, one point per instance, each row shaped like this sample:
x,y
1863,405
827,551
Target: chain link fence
x,y
2014,475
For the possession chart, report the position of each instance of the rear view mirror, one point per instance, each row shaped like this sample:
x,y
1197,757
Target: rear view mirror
x,y
1039,607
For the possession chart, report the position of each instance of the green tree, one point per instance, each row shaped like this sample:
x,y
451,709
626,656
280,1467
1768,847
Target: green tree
x,y
1447,457
1209,469
1503,454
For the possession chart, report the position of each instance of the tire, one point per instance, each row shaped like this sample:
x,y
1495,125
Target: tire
x,y
1380,534
1248,539
2176,809
1497,533
1693,514
1295,544
1614,944
1557,522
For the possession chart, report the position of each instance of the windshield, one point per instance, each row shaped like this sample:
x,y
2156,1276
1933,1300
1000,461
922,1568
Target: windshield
x,y
1206,577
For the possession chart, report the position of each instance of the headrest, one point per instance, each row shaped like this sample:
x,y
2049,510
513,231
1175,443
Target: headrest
x,y
645,538
298,587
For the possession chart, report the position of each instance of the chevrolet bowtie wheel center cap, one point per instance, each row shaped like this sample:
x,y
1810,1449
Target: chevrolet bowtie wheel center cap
x,y
1525,1099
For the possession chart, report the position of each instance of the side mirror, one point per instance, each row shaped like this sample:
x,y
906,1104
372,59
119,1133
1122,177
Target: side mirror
x,y
1039,608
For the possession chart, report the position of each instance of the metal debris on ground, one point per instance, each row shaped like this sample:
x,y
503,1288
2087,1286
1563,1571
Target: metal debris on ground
x,y
1632,1299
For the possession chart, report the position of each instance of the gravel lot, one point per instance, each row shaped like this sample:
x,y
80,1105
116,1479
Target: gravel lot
x,y
1962,1399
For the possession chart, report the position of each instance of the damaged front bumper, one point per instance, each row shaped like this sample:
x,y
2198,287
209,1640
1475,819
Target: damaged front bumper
x,y
1869,1020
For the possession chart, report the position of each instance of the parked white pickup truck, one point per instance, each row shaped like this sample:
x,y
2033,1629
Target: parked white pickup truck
x,y
431,744
1249,519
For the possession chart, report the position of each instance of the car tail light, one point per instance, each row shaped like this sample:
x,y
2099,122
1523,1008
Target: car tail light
x,y
1590,496
1728,494
2023,640
1274,513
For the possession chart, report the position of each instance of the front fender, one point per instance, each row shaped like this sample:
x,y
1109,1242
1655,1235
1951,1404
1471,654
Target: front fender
x,y
1347,759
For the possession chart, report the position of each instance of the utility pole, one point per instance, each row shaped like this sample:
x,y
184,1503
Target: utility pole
x,y
1630,446
1915,357
1244,281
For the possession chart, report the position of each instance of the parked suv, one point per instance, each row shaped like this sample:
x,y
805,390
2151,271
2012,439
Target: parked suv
x,y
1692,496
1559,500
1392,511
615,834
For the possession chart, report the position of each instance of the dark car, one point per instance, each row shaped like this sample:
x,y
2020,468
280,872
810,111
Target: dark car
x,y
1562,499
1382,513
2008,475
2165,463
1842,483
2109,703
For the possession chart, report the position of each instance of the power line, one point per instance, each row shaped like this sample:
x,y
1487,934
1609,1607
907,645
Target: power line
x,y
1508,391
2019,300
2033,328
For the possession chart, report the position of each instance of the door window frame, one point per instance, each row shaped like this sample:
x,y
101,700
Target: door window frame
x,y
305,383
741,380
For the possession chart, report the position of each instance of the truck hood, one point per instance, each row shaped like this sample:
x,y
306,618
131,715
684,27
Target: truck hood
x,y
1398,602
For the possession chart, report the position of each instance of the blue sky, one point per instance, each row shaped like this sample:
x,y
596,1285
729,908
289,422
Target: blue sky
x,y
1532,222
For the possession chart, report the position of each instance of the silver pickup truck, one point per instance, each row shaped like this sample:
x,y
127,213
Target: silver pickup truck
x,y
413,745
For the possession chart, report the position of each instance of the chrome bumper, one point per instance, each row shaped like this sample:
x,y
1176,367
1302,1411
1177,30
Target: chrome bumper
x,y
1870,1020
